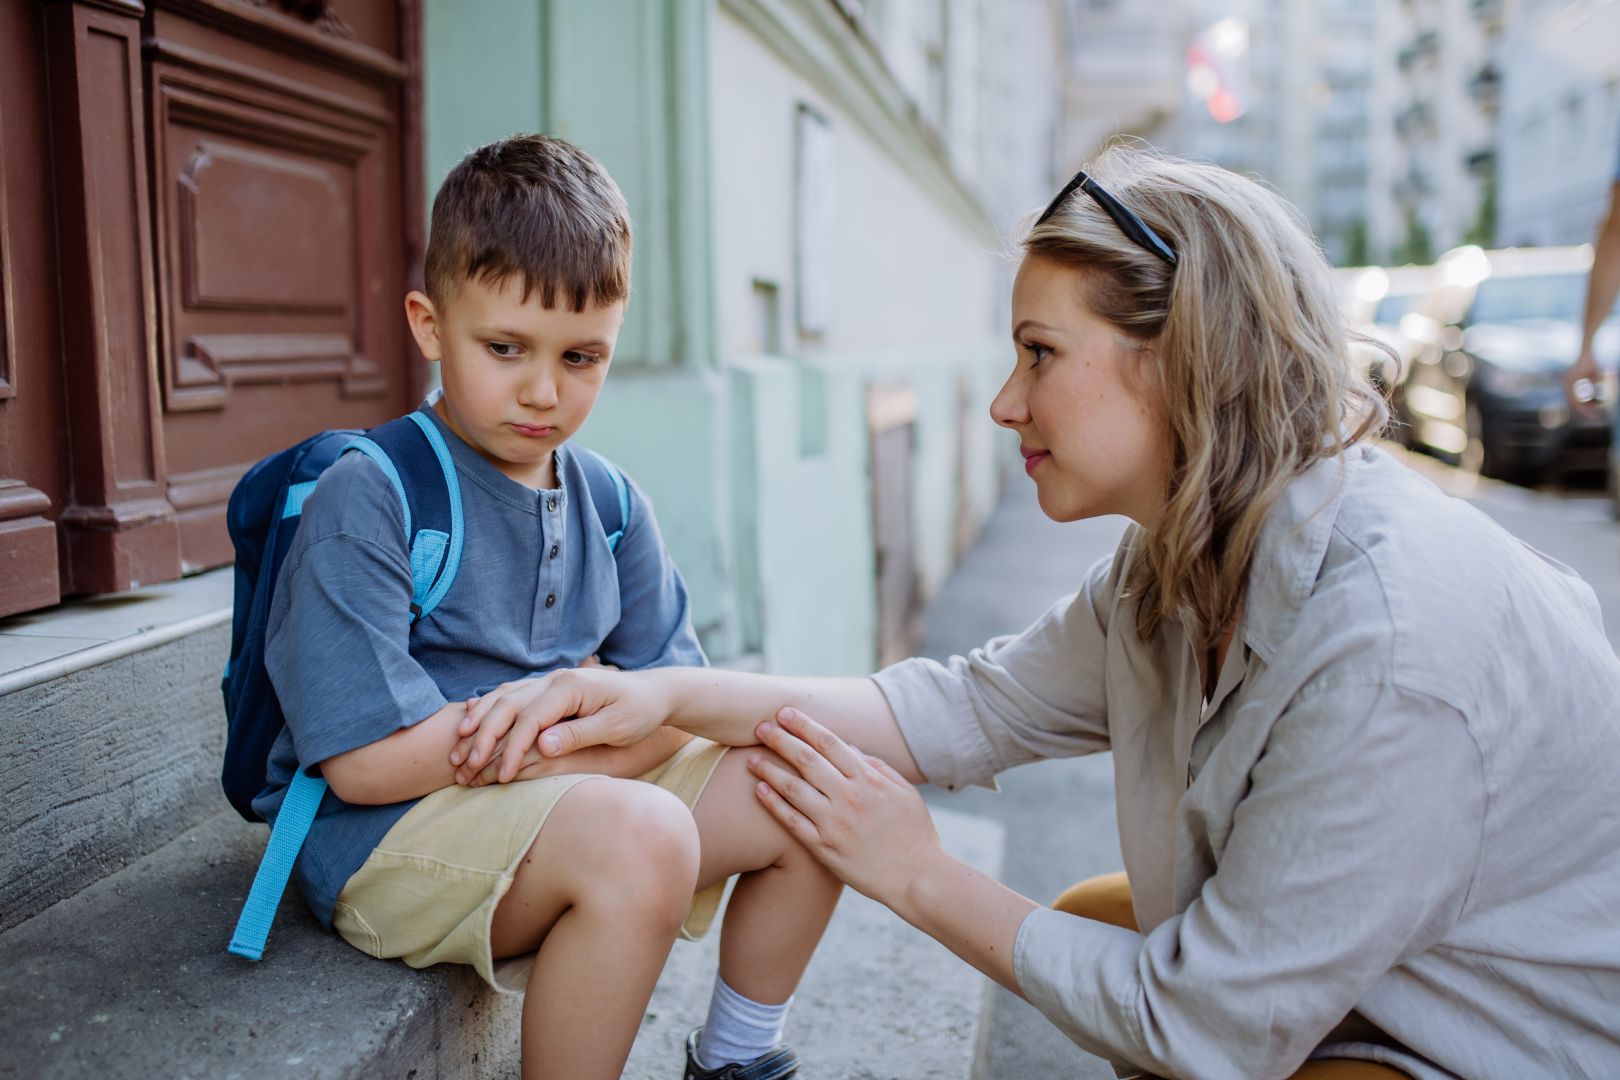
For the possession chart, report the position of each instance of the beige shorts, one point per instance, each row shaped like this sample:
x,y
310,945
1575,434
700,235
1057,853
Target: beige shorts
x,y
428,893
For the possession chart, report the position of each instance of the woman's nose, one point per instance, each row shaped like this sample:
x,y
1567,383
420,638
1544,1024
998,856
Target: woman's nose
x,y
1010,408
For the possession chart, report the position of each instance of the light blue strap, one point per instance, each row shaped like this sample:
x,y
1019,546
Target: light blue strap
x,y
427,553
452,559
296,494
377,454
624,505
286,837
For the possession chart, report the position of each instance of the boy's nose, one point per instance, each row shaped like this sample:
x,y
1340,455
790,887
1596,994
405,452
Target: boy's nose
x,y
540,390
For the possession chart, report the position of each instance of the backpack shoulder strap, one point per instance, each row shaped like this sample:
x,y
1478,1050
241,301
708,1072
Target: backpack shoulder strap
x,y
609,492
416,458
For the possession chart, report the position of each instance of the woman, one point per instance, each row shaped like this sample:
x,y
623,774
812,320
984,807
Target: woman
x,y
1365,743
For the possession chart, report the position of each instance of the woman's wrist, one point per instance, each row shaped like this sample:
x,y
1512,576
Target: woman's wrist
x,y
925,886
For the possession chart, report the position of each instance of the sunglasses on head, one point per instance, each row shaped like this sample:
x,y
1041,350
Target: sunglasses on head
x,y
1129,224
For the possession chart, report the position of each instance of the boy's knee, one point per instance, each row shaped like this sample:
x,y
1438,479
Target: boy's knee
x,y
644,846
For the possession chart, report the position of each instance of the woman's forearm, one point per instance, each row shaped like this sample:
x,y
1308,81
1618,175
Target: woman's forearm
x,y
970,913
726,706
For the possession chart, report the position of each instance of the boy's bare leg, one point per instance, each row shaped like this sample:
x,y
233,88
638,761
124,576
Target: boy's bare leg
x,y
602,895
782,901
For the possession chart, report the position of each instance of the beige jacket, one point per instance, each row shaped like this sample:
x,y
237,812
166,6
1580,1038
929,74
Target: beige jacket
x,y
1402,800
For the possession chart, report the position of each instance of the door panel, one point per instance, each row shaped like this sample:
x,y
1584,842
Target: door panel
x,y
209,213
280,249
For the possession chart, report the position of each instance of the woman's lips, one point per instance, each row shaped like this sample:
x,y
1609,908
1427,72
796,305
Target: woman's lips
x,y
1033,458
533,431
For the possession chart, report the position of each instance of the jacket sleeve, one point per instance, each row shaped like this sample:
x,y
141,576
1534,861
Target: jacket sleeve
x,y
1037,694
1353,850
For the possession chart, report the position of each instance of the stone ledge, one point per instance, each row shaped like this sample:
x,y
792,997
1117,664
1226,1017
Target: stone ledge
x,y
130,977
39,646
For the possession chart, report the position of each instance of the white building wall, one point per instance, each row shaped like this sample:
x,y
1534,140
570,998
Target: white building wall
x,y
905,269
916,325
1560,124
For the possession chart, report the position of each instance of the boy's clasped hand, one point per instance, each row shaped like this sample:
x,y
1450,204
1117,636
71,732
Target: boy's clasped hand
x,y
513,727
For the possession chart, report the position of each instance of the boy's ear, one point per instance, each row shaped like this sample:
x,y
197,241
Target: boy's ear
x,y
423,318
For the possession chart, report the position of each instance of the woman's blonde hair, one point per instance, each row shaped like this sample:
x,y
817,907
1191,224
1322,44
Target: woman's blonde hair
x,y
1249,347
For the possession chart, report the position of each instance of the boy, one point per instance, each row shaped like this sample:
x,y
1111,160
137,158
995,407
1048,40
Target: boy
x,y
571,882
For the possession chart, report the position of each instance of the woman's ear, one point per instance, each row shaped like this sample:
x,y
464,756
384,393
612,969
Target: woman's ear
x,y
423,318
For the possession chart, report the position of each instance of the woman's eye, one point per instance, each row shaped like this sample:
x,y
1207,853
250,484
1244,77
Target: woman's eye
x,y
580,359
503,349
1037,351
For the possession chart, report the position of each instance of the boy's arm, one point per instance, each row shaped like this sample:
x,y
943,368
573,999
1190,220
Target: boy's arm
x,y
415,761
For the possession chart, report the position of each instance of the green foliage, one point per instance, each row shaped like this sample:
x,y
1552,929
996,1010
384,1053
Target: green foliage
x,y
1417,247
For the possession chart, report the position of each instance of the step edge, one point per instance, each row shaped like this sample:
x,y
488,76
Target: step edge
x,y
95,655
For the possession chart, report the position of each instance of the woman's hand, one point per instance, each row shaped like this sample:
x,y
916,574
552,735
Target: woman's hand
x,y
853,812
613,708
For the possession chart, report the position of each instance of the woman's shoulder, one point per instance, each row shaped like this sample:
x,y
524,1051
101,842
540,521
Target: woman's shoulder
x,y
1429,592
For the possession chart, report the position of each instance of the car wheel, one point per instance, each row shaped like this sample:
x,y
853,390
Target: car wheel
x,y
1484,456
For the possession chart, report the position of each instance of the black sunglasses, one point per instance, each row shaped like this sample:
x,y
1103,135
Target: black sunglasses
x,y
1129,224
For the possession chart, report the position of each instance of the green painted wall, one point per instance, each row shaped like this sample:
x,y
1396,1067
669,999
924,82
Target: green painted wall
x,y
481,77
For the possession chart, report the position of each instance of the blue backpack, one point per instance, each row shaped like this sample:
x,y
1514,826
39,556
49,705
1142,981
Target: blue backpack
x,y
263,517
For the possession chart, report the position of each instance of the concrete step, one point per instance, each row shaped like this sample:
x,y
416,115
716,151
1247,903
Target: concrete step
x,y
111,750
129,977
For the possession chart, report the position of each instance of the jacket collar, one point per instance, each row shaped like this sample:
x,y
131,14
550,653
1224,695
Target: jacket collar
x,y
1293,544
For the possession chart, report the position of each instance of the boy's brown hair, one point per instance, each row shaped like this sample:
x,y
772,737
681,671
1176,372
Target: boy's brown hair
x,y
535,206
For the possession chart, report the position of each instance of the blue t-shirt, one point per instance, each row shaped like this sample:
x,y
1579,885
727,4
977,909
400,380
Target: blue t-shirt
x,y
538,589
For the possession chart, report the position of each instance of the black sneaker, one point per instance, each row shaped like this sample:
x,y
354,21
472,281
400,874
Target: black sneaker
x,y
778,1064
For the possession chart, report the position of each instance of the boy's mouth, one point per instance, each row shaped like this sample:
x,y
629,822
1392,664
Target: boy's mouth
x,y
533,431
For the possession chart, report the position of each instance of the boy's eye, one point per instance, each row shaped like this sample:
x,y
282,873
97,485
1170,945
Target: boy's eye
x,y
503,349
581,359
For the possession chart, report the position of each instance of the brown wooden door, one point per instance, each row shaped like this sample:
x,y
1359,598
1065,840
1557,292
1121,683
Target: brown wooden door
x,y
33,481
238,209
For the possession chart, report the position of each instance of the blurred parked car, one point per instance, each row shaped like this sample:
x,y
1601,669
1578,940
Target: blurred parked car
x,y
1380,304
1496,333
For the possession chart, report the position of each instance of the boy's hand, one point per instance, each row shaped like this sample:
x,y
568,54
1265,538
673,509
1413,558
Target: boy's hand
x,y
627,762
612,708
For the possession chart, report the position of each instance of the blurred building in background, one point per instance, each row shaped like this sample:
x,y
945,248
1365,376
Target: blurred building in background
x,y
1434,184
1124,75
1558,147
822,190
1283,89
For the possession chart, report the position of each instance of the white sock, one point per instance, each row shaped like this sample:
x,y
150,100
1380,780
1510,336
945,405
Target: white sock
x,y
739,1030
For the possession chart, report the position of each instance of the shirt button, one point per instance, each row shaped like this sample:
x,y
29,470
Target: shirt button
x,y
551,503
553,552
551,600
